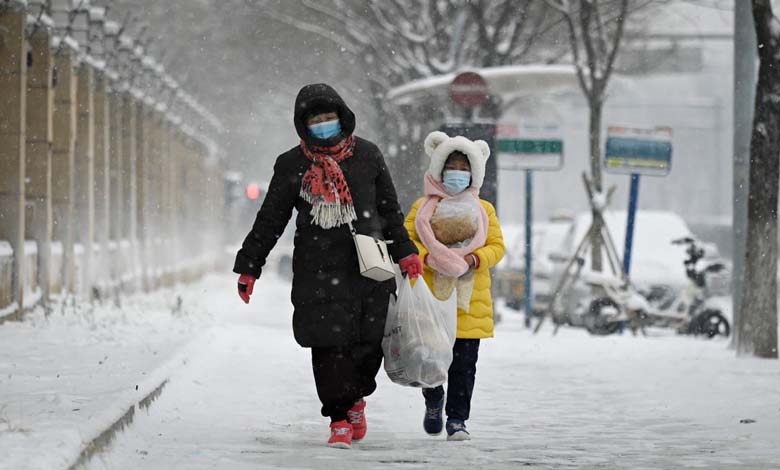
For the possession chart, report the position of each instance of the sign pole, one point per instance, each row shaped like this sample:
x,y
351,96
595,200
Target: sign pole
x,y
744,98
528,290
632,206
540,148
469,92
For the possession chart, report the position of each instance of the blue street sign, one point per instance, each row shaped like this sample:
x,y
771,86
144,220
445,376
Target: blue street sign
x,y
637,152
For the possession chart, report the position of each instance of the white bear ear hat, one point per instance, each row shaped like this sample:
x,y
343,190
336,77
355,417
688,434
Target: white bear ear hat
x,y
439,146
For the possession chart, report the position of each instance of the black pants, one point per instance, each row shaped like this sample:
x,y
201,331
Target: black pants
x,y
460,381
344,375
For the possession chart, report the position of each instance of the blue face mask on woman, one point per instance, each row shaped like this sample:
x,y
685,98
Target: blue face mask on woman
x,y
456,181
326,130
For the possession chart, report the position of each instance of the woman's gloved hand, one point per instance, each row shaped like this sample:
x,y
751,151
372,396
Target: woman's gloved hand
x,y
246,285
411,266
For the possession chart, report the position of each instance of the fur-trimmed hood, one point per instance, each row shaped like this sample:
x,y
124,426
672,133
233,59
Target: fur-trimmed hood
x,y
439,146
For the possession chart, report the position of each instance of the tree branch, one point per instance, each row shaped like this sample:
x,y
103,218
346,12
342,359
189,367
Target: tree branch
x,y
310,28
601,30
519,26
575,45
586,9
617,39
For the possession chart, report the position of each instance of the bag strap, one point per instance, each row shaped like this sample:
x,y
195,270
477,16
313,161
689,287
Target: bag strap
x,y
354,232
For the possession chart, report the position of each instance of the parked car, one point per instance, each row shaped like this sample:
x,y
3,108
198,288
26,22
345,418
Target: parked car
x,y
510,274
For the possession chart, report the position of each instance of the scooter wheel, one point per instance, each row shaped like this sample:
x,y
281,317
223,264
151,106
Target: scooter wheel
x,y
597,319
710,323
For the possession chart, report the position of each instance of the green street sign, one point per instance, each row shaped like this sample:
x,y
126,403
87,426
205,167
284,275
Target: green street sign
x,y
530,154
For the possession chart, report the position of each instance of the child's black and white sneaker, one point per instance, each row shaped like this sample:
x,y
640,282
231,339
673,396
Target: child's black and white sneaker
x,y
456,430
433,423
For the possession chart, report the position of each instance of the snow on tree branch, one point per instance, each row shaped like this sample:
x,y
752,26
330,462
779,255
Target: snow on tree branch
x,y
412,39
594,39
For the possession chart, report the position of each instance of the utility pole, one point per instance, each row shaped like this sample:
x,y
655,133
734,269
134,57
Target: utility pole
x,y
744,100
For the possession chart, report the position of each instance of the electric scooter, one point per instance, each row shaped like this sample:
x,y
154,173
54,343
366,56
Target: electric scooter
x,y
686,312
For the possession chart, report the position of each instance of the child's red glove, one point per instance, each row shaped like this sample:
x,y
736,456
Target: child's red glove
x,y
246,285
411,266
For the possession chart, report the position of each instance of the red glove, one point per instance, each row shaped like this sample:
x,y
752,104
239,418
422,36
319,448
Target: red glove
x,y
246,285
411,266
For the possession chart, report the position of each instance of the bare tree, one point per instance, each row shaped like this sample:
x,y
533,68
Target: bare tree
x,y
595,30
398,41
403,40
757,324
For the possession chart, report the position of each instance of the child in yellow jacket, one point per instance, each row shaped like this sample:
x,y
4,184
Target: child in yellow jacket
x,y
459,239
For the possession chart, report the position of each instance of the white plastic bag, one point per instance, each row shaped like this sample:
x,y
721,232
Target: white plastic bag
x,y
456,220
419,336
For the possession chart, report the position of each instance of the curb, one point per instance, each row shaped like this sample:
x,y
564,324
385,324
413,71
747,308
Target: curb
x,y
105,438
156,385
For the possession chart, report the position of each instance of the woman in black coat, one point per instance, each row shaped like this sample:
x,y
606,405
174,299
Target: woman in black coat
x,y
332,178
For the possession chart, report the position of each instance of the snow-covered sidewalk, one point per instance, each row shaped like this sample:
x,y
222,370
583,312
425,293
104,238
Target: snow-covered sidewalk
x,y
67,377
247,400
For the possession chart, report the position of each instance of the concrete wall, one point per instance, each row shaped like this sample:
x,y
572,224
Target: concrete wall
x,y
104,189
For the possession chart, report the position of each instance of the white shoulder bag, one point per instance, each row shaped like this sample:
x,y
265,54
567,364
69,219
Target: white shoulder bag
x,y
374,259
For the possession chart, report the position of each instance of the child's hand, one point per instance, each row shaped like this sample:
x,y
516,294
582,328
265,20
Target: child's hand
x,y
472,260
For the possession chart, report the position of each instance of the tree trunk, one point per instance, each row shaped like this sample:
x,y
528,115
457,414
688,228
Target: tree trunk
x,y
595,175
757,327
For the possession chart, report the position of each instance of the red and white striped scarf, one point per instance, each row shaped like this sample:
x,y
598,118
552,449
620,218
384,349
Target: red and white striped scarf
x,y
324,185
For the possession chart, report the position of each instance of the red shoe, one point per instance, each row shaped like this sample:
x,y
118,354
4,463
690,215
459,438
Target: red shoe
x,y
357,418
340,435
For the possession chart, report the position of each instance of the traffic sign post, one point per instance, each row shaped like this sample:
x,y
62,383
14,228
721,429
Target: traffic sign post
x,y
469,90
531,154
528,149
529,243
633,199
640,151
637,152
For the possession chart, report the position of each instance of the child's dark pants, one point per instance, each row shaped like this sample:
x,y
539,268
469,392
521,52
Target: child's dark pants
x,y
460,382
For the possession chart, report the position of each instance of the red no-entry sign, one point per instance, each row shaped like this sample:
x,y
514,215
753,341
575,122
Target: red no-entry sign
x,y
469,90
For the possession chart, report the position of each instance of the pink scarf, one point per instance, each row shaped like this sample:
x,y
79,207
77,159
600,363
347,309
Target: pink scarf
x,y
443,259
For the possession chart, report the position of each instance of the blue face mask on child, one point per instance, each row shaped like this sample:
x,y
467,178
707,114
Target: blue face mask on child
x,y
456,181
326,130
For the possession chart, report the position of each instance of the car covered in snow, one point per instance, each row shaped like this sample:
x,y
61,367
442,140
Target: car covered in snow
x,y
510,272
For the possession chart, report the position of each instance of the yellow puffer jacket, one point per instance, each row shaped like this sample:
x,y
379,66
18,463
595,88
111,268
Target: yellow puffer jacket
x,y
478,323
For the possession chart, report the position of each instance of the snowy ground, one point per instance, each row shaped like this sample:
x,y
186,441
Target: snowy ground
x,y
66,376
246,400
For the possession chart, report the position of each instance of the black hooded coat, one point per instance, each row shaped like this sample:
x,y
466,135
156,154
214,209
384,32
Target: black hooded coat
x,y
334,304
